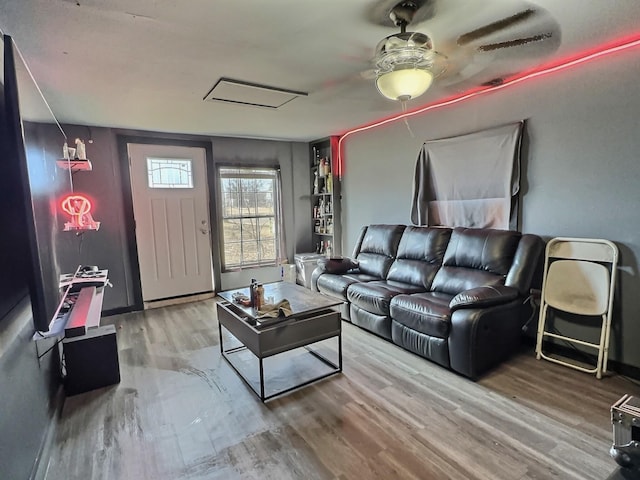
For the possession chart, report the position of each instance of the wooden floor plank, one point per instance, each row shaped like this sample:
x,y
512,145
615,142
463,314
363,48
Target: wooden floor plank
x,y
180,411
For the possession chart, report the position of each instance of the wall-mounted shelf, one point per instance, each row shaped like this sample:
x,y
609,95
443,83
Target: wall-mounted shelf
x,y
75,165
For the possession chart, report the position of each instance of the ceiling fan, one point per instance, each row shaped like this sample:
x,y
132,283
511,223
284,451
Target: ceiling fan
x,y
471,43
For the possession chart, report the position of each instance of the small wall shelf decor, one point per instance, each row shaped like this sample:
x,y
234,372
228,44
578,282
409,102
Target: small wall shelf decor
x,y
75,159
75,165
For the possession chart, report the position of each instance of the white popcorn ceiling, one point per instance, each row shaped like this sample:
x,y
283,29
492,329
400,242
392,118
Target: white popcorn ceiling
x,y
147,64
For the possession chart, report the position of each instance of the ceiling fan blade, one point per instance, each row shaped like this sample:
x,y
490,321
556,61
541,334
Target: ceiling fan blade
x,y
514,43
369,74
463,66
493,27
497,80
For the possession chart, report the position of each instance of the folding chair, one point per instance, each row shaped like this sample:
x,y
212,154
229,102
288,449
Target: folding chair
x,y
579,278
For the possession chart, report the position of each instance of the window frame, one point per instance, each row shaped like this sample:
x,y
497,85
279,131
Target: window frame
x,y
249,172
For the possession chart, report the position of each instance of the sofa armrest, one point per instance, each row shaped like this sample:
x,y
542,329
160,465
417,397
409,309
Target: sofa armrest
x,y
527,264
481,297
481,338
338,266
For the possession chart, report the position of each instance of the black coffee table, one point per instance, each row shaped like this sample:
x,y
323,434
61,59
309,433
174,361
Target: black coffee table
x,y
313,320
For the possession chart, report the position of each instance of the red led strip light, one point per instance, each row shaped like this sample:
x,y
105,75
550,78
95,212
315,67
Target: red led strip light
x,y
627,43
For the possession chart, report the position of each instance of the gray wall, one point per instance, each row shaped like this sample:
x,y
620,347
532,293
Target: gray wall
x,y
581,173
28,387
293,159
109,247
106,247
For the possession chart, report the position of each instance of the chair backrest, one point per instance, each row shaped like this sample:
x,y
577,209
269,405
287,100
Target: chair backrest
x,y
595,250
578,286
580,275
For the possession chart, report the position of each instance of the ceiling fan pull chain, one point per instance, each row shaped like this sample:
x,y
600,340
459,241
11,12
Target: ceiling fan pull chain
x,y
406,121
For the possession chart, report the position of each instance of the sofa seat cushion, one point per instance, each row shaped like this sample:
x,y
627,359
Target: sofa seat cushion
x,y
426,313
374,297
335,285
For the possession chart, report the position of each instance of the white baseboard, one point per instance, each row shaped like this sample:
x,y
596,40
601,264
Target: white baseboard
x,y
178,300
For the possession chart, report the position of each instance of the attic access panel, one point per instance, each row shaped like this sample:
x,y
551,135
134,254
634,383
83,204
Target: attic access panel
x,y
245,93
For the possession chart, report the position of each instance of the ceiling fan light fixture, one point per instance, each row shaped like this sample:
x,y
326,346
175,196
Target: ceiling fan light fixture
x,y
404,84
404,65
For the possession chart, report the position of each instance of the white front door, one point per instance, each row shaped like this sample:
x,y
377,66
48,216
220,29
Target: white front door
x,y
171,209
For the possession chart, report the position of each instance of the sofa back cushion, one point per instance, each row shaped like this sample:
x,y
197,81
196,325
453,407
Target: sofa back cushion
x,y
378,249
420,254
474,258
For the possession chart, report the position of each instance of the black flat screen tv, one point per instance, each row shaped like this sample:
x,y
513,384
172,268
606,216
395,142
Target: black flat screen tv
x,y
27,239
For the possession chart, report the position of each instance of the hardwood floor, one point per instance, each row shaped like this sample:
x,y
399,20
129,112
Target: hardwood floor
x,y
181,412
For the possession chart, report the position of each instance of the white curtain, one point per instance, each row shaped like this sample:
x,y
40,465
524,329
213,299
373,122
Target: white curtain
x,y
469,181
281,254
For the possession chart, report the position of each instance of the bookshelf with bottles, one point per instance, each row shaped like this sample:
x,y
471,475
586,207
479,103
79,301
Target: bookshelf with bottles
x,y
325,199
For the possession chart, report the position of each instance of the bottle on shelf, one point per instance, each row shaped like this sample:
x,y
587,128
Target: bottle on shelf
x,y
81,151
327,248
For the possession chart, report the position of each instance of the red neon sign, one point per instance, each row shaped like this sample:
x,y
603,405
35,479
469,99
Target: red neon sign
x,y
78,207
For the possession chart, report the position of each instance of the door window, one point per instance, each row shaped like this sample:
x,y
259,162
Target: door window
x,y
169,173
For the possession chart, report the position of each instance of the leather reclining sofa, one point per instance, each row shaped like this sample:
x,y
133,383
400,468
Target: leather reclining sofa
x,y
454,296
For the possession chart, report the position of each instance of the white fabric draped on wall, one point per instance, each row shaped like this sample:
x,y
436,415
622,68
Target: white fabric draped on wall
x,y
469,181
